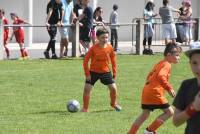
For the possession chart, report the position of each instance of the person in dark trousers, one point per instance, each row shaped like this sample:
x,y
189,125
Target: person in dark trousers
x,y
54,18
114,34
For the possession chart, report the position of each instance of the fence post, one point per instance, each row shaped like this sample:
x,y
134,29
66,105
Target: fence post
x,y
139,36
197,29
1,39
75,40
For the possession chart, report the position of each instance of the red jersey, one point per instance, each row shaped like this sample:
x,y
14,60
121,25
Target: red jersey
x,y
18,31
6,30
156,84
100,60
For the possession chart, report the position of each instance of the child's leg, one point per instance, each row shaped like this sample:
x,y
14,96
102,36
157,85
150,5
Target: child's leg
x,y
113,94
139,121
21,45
86,96
168,112
7,51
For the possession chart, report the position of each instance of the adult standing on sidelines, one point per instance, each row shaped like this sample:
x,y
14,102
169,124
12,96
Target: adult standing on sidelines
x,y
67,6
187,100
54,19
86,20
168,26
6,32
114,32
148,27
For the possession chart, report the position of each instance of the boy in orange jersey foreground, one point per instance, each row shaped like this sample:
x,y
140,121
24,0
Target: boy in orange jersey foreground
x,y
153,92
101,55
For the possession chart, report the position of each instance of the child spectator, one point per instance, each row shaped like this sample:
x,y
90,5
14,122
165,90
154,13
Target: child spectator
x,y
54,19
100,55
187,100
18,31
6,32
168,26
153,95
114,33
98,20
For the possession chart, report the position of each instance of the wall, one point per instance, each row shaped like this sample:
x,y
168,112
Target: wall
x,y
128,9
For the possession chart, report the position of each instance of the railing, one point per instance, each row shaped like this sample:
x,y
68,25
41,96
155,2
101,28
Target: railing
x,y
137,34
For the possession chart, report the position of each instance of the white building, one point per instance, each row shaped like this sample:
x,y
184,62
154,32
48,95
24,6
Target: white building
x,y
35,12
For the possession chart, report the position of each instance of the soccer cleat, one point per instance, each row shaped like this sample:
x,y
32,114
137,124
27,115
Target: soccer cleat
x,y
84,110
148,132
46,55
117,108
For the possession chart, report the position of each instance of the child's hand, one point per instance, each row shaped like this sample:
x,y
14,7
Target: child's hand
x,y
88,78
196,102
172,93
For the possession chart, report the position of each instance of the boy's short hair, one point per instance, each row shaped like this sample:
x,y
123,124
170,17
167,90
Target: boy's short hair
x,y
101,31
170,48
194,49
165,2
115,7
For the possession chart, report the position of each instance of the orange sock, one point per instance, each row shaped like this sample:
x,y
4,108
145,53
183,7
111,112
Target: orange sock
x,y
22,52
134,129
25,52
86,99
155,125
113,96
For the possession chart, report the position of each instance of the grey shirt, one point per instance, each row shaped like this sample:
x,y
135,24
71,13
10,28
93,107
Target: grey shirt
x,y
166,14
114,19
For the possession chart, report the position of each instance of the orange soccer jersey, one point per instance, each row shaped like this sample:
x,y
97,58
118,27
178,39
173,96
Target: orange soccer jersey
x,y
156,84
100,59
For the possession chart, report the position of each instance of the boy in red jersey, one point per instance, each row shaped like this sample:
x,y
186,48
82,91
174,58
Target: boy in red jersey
x,y
19,34
6,31
153,95
100,56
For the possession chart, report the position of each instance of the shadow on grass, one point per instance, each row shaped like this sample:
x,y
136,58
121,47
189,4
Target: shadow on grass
x,y
52,112
102,111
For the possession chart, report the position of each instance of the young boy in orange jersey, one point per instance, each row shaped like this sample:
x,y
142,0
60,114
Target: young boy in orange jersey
x,y
6,32
19,34
154,89
100,55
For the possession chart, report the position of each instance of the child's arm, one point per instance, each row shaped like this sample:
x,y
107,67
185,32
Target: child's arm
x,y
48,16
85,64
11,36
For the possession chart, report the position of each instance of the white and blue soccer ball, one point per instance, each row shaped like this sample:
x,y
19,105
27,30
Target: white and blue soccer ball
x,y
73,106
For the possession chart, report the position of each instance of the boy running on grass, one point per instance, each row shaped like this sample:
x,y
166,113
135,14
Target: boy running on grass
x,y
154,89
100,56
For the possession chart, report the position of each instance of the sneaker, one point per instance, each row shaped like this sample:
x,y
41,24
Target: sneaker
x,y
148,132
54,56
117,108
26,58
46,55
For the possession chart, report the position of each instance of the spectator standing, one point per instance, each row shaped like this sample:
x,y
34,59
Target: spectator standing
x,y
168,26
18,32
86,20
187,19
153,94
148,28
6,32
98,20
54,19
67,6
114,29
187,100
77,10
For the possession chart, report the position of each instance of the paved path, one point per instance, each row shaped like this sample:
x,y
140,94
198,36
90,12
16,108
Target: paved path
x,y
36,50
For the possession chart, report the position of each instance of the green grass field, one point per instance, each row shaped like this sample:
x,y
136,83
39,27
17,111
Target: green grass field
x,y
34,93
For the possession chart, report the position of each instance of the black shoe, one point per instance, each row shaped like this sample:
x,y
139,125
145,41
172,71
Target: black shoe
x,y
46,55
54,56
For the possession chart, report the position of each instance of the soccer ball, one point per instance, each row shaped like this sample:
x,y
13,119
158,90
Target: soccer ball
x,y
73,106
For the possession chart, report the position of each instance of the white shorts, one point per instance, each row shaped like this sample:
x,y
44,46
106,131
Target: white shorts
x,y
169,31
64,32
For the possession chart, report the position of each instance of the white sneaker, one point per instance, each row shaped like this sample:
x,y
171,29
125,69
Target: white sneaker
x,y
147,132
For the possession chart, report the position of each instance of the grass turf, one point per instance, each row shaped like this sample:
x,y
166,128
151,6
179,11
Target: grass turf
x,y
34,94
